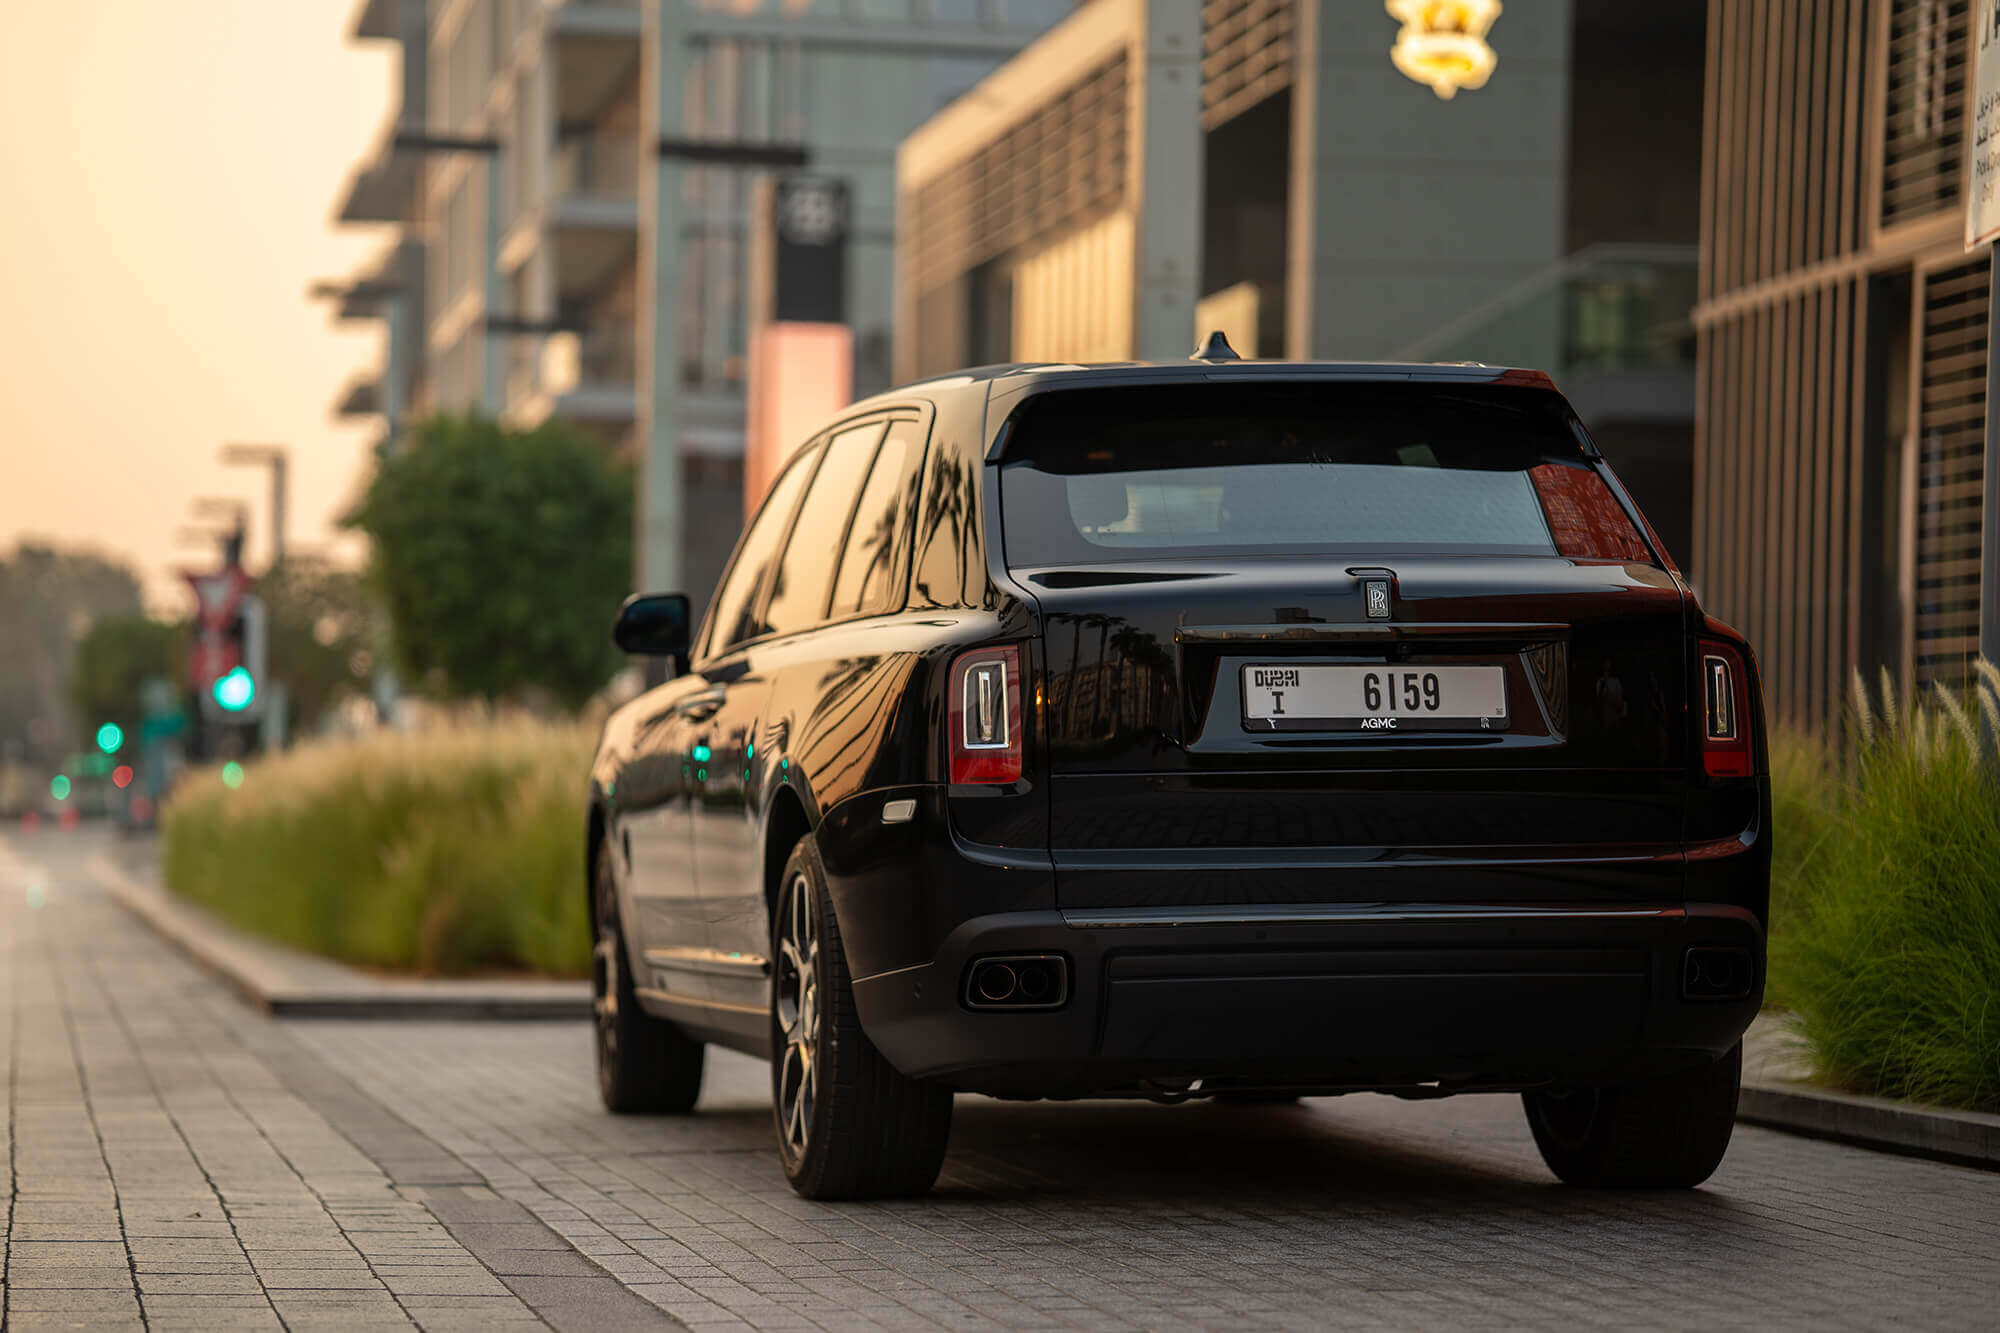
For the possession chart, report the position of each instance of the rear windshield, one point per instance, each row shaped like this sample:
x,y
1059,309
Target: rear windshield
x,y
1124,474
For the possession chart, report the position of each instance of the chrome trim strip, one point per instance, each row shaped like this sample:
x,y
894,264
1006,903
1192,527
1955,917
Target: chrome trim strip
x,y
1336,632
1383,914
709,962
691,1002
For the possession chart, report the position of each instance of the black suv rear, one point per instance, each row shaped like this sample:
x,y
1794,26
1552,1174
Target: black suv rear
x,y
1233,729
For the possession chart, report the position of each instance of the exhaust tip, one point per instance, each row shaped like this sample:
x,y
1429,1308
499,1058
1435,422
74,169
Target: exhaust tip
x,y
1021,981
1717,974
995,982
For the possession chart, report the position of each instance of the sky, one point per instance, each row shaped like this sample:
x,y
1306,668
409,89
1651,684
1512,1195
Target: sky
x,y
169,171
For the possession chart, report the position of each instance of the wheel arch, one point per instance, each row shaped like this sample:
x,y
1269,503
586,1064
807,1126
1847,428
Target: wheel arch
x,y
784,824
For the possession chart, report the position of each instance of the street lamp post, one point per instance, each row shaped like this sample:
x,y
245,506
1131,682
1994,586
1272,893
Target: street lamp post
x,y
275,457
231,511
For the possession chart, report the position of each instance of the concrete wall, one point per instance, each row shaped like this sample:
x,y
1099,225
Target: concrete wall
x,y
1413,209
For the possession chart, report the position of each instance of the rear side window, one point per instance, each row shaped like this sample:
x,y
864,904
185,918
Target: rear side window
x,y
1118,474
870,580
733,617
798,593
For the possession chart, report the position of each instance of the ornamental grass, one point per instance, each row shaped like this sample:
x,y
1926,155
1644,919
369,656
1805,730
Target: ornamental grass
x,y
1886,895
449,851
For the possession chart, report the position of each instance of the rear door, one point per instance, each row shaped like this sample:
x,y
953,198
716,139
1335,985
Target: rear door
x,y
686,960
728,849
1345,643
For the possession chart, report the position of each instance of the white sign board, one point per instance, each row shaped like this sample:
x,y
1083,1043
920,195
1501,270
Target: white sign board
x,y
1982,193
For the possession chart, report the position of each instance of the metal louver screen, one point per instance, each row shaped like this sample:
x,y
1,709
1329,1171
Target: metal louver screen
x,y
1061,166
1246,55
1950,471
1925,106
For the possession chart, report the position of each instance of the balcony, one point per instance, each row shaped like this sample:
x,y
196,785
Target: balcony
x,y
591,216
600,166
383,187
595,44
587,375
362,397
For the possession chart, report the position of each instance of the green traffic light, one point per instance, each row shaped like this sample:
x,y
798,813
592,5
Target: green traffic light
x,y
110,736
235,690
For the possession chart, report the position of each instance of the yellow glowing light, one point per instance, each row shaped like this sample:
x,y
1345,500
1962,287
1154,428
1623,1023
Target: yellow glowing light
x,y
1442,43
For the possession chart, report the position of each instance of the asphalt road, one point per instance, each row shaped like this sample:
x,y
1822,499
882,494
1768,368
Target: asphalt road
x,y
174,1158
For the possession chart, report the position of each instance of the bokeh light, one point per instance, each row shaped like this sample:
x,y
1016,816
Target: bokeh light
x,y
235,691
110,736
59,787
232,775
121,776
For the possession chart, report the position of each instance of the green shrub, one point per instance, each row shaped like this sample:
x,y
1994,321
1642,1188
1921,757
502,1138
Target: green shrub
x,y
1888,948
448,851
1805,813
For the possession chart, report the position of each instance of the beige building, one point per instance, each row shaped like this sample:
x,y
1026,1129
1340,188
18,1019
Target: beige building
x,y
570,182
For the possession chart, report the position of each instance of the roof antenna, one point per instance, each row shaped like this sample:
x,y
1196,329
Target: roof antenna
x,y
1217,348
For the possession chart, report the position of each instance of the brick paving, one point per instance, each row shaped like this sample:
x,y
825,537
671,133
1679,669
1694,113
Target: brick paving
x,y
174,1159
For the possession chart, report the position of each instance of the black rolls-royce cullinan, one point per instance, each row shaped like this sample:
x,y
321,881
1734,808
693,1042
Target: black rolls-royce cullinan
x,y
1226,729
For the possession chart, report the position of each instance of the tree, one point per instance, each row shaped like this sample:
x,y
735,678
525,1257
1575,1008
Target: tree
x,y
49,599
321,623
501,557
113,661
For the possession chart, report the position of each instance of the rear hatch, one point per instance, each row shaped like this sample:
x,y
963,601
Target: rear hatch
x,y
1344,643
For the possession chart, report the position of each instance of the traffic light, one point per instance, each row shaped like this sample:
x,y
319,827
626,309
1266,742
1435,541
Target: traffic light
x,y
236,690
236,658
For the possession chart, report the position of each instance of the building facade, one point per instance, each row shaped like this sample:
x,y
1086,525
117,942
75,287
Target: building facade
x,y
555,261
1153,169
1841,336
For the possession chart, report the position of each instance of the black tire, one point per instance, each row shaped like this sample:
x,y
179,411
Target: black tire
x,y
1256,1098
849,1125
645,1065
1664,1133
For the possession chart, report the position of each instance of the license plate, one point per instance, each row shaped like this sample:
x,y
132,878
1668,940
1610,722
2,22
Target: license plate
x,y
1279,697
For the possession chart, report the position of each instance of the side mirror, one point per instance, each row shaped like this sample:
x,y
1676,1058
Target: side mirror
x,y
654,625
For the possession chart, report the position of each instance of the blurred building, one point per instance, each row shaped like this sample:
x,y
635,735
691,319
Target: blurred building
x,y
524,169
1842,341
1152,169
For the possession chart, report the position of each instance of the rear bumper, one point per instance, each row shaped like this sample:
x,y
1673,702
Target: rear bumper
x,y
1459,995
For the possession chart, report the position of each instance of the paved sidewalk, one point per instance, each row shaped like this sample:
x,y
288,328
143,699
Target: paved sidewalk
x,y
166,1170
176,1156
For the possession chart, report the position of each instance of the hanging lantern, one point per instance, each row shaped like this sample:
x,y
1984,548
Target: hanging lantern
x,y
1443,42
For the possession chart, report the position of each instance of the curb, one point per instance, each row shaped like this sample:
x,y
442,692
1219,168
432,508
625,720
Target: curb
x,y
288,984
1965,1138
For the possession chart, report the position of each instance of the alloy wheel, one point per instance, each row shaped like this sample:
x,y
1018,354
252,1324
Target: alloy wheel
x,y
797,995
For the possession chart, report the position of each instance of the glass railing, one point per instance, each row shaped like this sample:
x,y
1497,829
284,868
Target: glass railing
x,y
601,354
603,165
608,354
1606,308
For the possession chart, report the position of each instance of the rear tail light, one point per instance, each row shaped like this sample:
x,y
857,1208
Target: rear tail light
x,y
986,716
1725,712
